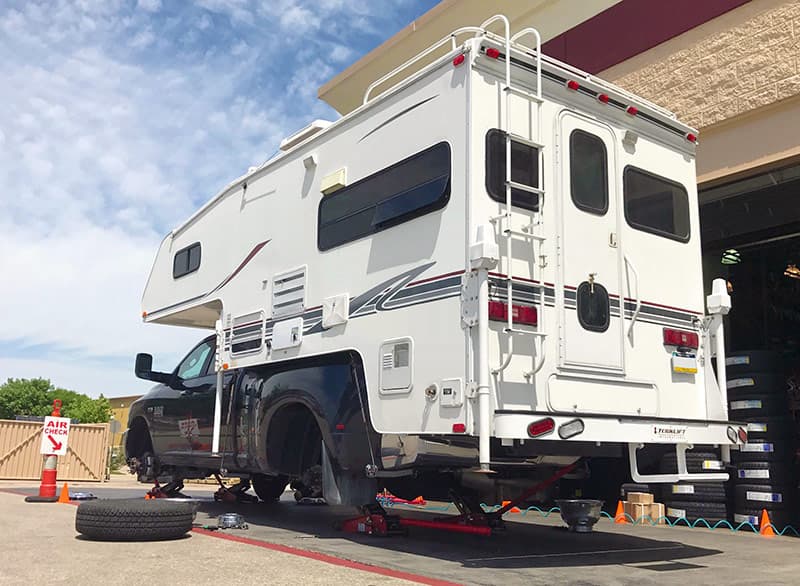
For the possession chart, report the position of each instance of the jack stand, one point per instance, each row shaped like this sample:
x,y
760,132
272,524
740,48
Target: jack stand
x,y
234,494
170,490
373,521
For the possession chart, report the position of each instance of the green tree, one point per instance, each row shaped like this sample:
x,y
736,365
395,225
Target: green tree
x,y
35,397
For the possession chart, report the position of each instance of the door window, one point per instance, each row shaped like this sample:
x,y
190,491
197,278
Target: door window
x,y
193,365
588,172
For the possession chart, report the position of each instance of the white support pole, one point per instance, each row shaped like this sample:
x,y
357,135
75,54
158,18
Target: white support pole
x,y
484,429
218,396
719,304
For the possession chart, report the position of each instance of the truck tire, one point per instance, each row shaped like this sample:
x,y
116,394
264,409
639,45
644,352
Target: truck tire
x,y
776,427
756,383
691,511
778,519
758,451
762,473
134,519
762,496
747,406
269,488
753,361
696,462
692,492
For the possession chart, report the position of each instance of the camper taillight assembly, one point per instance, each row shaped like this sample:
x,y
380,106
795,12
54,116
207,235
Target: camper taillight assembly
x,y
571,429
541,427
681,338
492,53
520,314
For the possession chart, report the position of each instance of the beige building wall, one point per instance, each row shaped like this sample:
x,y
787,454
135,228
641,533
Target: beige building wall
x,y
735,78
120,409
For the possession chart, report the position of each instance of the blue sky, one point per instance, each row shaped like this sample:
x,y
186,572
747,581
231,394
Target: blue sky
x,y
121,117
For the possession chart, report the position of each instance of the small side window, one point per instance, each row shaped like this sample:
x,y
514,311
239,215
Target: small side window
x,y
187,260
192,365
593,307
524,169
588,172
656,205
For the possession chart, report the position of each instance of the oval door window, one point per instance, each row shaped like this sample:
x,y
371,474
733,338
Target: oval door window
x,y
593,307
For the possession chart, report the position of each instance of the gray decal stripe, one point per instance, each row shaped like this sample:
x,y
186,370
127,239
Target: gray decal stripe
x,y
431,286
413,299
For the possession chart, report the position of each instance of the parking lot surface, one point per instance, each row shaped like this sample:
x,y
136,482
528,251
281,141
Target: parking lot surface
x,y
289,543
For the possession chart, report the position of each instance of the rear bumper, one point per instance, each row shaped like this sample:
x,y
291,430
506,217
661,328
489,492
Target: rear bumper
x,y
620,429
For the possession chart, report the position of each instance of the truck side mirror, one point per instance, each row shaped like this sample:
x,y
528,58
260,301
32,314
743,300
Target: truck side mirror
x,y
144,369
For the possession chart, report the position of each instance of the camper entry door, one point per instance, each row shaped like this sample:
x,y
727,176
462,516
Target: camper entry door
x,y
591,332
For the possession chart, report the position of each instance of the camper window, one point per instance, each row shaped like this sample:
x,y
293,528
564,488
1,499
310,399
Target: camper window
x,y
656,205
413,187
588,172
187,260
524,169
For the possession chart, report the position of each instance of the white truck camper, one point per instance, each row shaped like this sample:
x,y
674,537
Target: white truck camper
x,y
508,251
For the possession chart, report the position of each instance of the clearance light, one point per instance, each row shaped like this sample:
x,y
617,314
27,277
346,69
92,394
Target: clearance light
x,y
570,429
541,427
492,53
632,110
691,137
458,60
459,428
573,85
742,435
681,338
225,366
603,98
144,314
521,314
340,427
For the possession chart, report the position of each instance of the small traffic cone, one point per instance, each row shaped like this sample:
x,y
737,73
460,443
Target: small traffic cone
x,y
512,509
64,496
619,516
418,501
765,526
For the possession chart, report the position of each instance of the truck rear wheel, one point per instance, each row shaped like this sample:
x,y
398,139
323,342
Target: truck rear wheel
x,y
134,519
269,488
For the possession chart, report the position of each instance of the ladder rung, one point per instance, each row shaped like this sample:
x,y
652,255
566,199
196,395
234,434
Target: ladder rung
x,y
532,285
524,93
525,141
523,187
509,232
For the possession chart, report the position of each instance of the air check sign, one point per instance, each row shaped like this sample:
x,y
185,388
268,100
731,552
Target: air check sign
x,y
54,436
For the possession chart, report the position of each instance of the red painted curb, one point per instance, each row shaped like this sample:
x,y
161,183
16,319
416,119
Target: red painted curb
x,y
328,559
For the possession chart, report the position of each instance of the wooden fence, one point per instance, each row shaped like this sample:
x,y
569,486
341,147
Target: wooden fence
x,y
86,458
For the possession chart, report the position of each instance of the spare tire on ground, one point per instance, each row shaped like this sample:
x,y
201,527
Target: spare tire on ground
x,y
134,519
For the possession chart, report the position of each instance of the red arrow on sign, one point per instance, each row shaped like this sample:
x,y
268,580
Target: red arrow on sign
x,y
56,445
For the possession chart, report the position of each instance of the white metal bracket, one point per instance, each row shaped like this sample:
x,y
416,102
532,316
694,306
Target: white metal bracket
x,y
469,299
683,473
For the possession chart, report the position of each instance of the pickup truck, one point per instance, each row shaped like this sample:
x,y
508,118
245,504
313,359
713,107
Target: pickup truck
x,y
279,422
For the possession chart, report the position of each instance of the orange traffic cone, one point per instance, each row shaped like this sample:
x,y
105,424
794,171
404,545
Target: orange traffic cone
x,y
619,516
418,501
765,526
512,509
64,496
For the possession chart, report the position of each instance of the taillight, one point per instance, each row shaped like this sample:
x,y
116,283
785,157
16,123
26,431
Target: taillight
x,y
573,85
681,338
541,427
742,435
459,428
492,53
520,314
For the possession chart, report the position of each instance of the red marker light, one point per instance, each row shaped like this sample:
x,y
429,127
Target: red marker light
x,y
632,110
458,60
602,98
492,53
340,427
691,137
541,427
573,85
459,428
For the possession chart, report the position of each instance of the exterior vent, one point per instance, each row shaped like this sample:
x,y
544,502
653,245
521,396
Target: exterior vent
x,y
301,135
248,333
289,293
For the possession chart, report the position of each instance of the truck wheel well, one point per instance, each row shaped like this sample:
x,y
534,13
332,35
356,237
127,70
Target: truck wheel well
x,y
138,440
294,440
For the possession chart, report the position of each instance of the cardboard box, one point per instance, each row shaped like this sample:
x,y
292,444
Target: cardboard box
x,y
657,513
640,498
635,511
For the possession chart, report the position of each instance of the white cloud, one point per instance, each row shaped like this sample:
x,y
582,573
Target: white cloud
x,y
104,148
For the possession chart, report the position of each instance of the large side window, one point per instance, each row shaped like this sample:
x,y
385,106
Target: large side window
x,y
415,186
588,172
656,205
187,260
524,169
193,365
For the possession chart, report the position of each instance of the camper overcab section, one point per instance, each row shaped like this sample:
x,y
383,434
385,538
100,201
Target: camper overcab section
x,y
504,253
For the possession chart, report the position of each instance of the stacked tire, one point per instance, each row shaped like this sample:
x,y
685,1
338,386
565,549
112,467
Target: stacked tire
x,y
765,477
693,501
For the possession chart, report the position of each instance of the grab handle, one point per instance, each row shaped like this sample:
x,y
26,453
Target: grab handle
x,y
638,308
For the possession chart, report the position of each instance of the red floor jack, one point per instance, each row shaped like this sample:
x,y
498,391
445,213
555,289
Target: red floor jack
x,y
170,490
471,519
